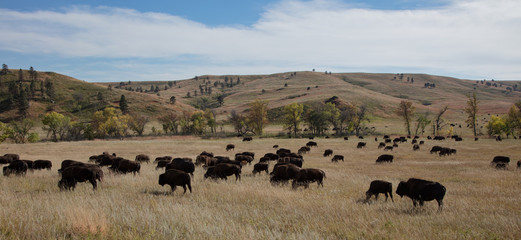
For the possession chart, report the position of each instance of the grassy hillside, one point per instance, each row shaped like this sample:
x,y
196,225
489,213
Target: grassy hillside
x,y
77,98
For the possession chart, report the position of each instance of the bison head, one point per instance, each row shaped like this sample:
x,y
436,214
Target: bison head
x,y
401,189
6,171
162,180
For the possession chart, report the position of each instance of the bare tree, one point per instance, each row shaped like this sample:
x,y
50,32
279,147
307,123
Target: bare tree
x,y
406,110
472,111
439,123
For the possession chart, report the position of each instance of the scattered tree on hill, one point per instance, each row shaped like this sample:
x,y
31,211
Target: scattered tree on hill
x,y
20,75
49,89
32,89
293,117
258,116
220,99
123,105
5,131
23,102
472,112
360,119
406,110
5,69
172,100
56,125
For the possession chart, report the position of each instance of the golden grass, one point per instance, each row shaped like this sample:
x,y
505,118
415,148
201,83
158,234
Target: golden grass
x,y
481,202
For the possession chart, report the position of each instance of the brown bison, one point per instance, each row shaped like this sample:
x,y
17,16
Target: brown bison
x,y
169,158
230,147
500,159
126,166
183,164
8,158
17,167
385,158
162,164
74,174
381,145
223,170
42,164
378,186
247,139
67,163
311,144
337,158
415,147
259,167
360,145
243,158
519,164
420,190
328,152
283,172
30,164
142,158
174,178
308,175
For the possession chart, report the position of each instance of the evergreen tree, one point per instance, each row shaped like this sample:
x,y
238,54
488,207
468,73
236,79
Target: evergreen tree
x,y
20,75
23,103
123,105
32,89
49,89
5,69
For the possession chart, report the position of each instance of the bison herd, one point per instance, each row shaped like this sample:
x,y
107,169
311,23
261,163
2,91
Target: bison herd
x,y
288,167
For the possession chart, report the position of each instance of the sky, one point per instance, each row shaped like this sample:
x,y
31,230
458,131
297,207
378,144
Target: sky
x,y
100,41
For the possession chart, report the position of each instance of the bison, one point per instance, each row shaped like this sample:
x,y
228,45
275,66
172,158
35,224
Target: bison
x,y
126,166
230,147
500,159
308,175
162,164
174,178
74,174
222,170
17,167
243,158
385,158
259,167
312,144
328,152
182,164
42,164
420,190
415,147
142,158
381,145
435,149
169,158
337,158
8,158
360,145
283,172
247,139
378,186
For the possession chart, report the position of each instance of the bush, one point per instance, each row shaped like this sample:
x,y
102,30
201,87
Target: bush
x,y
33,137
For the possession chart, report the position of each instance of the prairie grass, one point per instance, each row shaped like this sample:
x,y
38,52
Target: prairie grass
x,y
481,202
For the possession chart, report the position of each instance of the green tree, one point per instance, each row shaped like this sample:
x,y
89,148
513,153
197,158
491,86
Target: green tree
x,y
293,117
49,89
5,132
23,103
316,120
422,121
198,122
406,110
123,105
170,122
360,119
210,120
513,119
332,114
258,116
239,123
472,112
20,130
20,75
5,69
56,125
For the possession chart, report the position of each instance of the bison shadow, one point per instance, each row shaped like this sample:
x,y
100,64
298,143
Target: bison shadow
x,y
158,193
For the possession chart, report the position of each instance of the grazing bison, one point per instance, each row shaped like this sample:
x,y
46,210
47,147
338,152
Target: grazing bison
x,y
275,146
388,148
271,156
439,138
337,158
294,160
243,158
30,164
169,158
17,167
8,158
67,163
142,158
247,139
282,151
230,147
42,164
162,164
222,170
415,147
385,158
519,164
378,186
422,190
283,172
259,167
308,175
312,144
346,138
361,145
74,174
381,145
182,164
126,166
303,150
502,166
328,152
500,159
447,151
422,142
435,149
174,178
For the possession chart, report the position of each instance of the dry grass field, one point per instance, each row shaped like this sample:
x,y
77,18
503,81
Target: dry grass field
x,y
481,202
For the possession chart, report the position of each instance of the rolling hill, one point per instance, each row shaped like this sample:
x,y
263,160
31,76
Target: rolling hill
x,y
381,93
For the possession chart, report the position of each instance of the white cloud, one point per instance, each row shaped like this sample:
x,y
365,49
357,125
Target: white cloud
x,y
475,39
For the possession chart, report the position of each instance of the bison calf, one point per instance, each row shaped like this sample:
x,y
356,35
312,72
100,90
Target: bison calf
x,y
174,178
377,187
259,167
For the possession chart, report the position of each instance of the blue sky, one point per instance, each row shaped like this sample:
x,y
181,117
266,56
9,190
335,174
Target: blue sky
x,y
170,40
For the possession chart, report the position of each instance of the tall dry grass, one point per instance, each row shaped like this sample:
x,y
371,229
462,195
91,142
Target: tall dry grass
x,y
481,202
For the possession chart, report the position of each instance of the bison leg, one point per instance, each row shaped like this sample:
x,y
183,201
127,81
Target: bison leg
x,y
414,202
94,184
173,187
376,196
189,187
184,187
391,194
237,176
440,204
268,172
